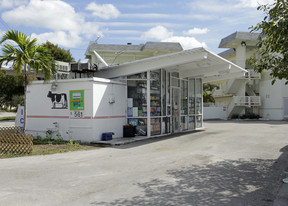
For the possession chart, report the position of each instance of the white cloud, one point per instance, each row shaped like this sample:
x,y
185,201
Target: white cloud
x,y
104,11
211,6
4,4
162,34
149,16
253,3
56,15
67,27
141,6
186,42
158,32
58,37
196,30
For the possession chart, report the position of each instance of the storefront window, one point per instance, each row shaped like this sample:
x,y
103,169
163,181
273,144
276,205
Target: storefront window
x,y
155,126
166,125
184,97
137,102
184,121
163,83
155,93
168,95
175,82
198,88
175,103
155,101
191,104
199,100
191,122
198,121
175,74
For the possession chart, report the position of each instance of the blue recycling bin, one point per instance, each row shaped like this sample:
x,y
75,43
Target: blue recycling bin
x,y
107,136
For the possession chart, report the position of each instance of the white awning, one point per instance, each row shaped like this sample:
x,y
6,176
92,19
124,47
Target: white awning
x,y
197,62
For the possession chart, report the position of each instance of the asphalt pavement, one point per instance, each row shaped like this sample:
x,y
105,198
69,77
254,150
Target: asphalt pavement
x,y
7,123
230,163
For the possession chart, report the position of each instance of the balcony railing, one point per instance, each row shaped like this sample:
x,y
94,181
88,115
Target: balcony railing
x,y
247,101
251,74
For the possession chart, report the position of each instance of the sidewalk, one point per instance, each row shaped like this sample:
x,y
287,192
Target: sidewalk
x,y
127,140
7,114
7,123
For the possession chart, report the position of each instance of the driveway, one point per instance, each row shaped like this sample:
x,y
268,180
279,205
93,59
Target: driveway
x,y
230,163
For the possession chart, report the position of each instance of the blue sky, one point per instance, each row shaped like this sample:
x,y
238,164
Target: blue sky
x,y
73,24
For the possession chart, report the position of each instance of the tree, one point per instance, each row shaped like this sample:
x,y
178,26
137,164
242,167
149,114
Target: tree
x,y
23,52
207,92
58,53
11,90
273,45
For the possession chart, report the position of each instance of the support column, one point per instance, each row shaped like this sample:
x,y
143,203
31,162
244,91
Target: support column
x,y
241,55
148,105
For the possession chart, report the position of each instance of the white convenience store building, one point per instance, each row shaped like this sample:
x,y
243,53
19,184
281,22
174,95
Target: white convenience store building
x,y
159,94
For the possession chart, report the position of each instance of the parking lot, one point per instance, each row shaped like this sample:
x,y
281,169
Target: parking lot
x,y
229,163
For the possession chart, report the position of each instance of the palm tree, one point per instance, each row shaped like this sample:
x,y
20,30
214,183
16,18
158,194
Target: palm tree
x,y
23,52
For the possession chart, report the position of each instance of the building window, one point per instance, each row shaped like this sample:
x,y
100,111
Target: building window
x,y
155,102
191,104
199,100
137,102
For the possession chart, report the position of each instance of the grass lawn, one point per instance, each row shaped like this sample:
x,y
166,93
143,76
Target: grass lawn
x,y
48,145
7,118
45,149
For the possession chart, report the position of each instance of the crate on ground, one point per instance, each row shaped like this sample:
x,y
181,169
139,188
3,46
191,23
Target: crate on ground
x,y
107,136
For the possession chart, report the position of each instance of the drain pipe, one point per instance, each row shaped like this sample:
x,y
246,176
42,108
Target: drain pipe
x,y
100,58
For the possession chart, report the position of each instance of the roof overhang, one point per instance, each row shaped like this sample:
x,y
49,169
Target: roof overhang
x,y
234,40
198,62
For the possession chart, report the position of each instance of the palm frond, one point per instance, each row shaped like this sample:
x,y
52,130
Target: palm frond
x,y
27,52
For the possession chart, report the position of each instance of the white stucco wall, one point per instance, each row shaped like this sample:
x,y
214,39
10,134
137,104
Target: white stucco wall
x,y
214,113
98,114
272,98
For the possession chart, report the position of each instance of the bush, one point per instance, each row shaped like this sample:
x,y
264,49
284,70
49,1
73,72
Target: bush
x,y
235,116
250,116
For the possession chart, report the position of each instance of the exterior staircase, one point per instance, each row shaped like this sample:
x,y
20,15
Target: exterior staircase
x,y
238,104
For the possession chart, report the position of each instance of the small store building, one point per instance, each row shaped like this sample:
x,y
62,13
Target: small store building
x,y
159,95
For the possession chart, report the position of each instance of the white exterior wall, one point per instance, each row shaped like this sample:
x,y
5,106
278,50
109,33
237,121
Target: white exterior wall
x,y
272,98
98,115
241,61
214,113
110,117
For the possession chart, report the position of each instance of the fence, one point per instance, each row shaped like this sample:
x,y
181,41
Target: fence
x,y
12,140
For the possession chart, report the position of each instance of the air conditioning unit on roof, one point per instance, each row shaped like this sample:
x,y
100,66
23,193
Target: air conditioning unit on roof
x,y
82,67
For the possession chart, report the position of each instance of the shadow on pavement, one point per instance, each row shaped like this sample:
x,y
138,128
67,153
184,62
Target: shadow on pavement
x,y
244,182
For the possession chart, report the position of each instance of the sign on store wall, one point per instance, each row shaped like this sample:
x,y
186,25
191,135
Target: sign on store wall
x,y
77,103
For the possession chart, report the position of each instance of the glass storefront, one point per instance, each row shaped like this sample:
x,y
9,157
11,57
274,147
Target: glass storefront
x,y
160,102
155,102
137,102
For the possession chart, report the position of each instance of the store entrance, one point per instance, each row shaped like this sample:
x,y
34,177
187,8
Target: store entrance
x,y
175,110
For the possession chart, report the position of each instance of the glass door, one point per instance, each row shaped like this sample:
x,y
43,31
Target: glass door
x,y
175,110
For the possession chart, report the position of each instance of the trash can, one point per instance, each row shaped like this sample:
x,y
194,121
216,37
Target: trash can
x,y
129,131
107,136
